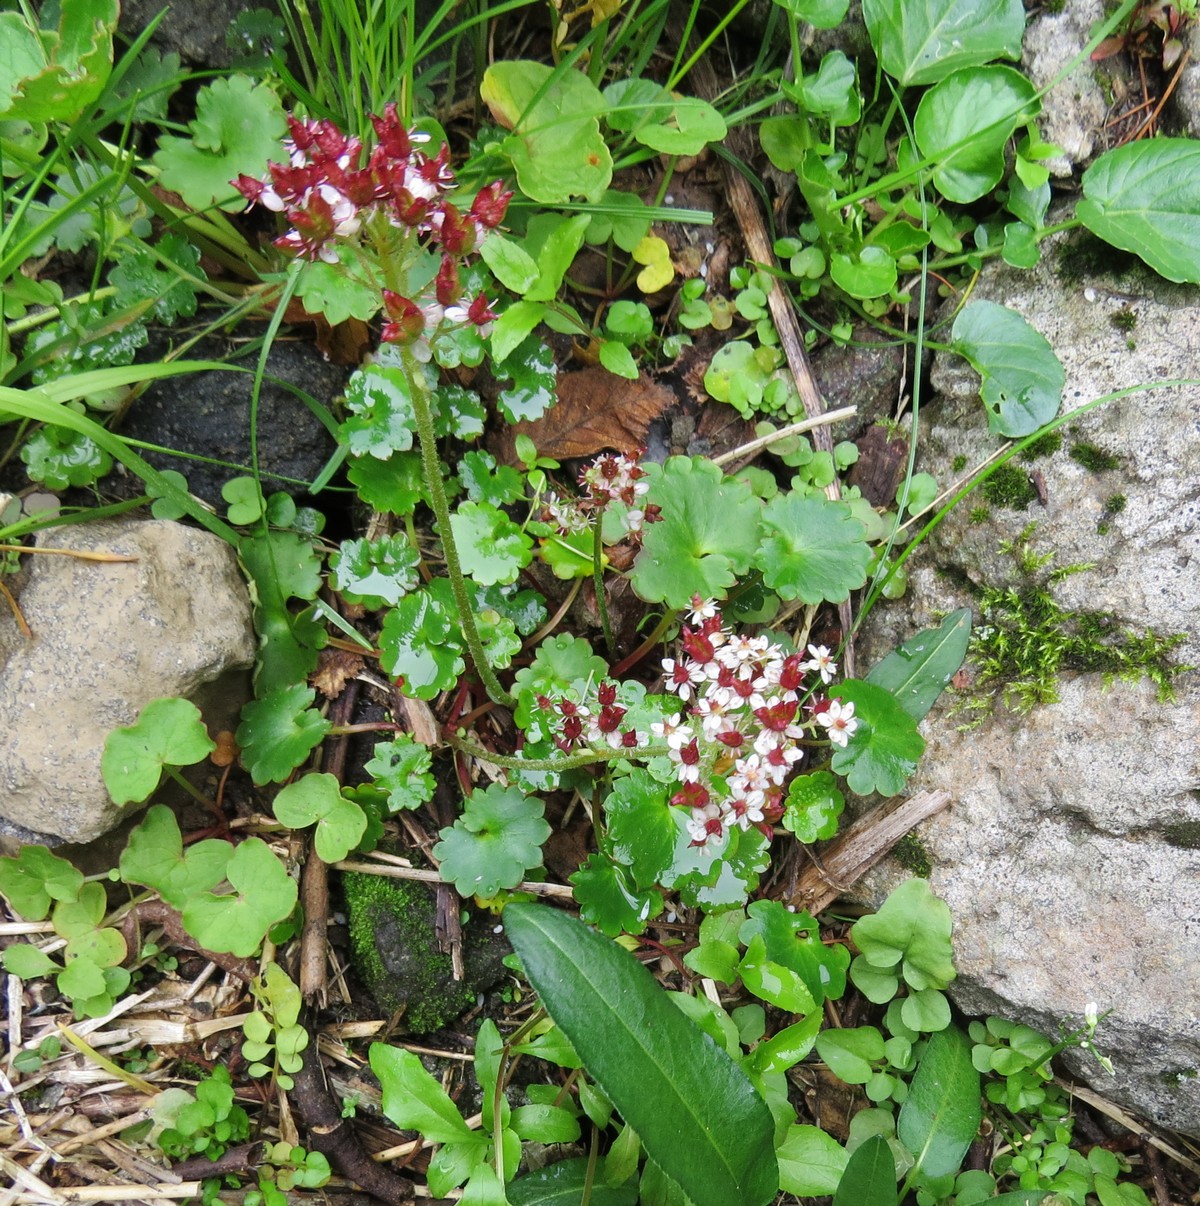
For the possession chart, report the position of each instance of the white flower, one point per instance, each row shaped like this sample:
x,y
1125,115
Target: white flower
x,y
838,719
702,609
822,662
1091,1014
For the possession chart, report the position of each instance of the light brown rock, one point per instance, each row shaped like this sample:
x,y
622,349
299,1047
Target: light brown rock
x,y
109,637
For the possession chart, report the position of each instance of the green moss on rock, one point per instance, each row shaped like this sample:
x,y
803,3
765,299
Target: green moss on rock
x,y
392,934
910,852
1184,834
1094,458
1009,487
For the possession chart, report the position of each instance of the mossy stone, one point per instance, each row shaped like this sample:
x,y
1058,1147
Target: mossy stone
x,y
392,933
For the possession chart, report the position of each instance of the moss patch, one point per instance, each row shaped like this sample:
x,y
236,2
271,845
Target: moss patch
x,y
1048,445
1094,458
911,854
1009,487
1025,640
1184,834
397,956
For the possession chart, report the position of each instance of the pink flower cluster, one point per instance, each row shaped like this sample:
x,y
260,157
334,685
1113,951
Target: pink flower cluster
x,y
327,192
612,477
745,722
602,725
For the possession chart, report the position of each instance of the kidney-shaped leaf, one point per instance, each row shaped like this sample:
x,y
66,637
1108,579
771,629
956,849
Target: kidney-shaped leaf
x,y
698,1115
169,732
941,1114
924,43
1022,377
1144,197
917,670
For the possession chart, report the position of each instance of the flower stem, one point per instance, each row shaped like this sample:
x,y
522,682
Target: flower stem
x,y
441,509
562,763
598,583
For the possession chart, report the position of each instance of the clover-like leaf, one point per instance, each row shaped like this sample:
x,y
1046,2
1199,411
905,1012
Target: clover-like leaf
x,y
375,573
279,731
1022,377
154,856
318,799
239,126
168,732
379,397
491,547
496,841
813,549
35,877
885,746
813,806
420,643
706,536
691,127
245,499
608,900
263,893
401,768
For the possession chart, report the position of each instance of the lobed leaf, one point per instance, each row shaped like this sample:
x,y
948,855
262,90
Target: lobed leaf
x,y
168,732
813,549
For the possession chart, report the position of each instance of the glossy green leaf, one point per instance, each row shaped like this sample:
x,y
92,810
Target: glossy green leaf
x,y
556,255
1144,197
494,843
514,325
59,458
917,671
412,1099
811,1162
697,1114
379,398
609,900
562,1184
884,748
812,549
560,664
421,642
279,731
375,573
941,1115
400,767
263,893
705,538
964,123
396,485
821,14
794,940
831,92
154,856
1023,1197
924,43
773,982
618,359
510,263
1022,378
167,732
491,548
851,1054
813,806
531,367
641,832
870,1176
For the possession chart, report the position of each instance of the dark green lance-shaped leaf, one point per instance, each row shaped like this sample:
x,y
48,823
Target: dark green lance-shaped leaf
x,y
813,549
924,43
941,1114
885,747
562,1184
698,1116
168,732
917,670
412,1099
870,1176
1144,197
1022,378
964,123
705,538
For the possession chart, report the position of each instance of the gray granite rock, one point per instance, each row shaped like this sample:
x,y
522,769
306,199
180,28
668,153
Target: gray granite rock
x,y
1070,856
108,637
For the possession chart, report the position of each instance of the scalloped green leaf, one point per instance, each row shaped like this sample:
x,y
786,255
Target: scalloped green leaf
x,y
279,731
813,806
697,1113
493,550
35,877
1022,378
884,749
420,643
1144,197
400,767
706,536
813,549
379,397
924,43
396,485
375,573
609,900
494,843
561,663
